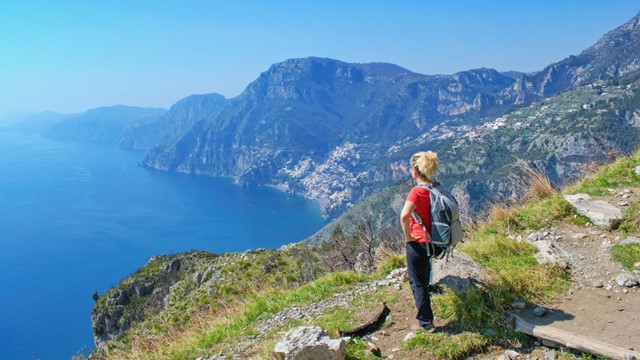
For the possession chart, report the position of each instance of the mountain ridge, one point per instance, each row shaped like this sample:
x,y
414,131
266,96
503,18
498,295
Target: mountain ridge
x,y
304,124
102,124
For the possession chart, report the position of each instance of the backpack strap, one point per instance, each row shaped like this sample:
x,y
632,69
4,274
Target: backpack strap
x,y
430,247
418,219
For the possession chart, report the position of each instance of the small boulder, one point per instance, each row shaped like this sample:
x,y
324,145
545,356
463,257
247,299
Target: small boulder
x,y
410,335
458,272
399,275
630,240
533,237
308,343
551,253
143,288
601,213
626,280
512,355
637,170
550,355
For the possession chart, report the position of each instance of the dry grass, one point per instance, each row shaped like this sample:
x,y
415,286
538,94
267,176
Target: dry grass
x,y
148,346
501,214
540,187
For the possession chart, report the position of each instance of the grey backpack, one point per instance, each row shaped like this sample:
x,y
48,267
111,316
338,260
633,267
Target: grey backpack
x,y
446,228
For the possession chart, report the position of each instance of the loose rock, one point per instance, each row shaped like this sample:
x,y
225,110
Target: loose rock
x,y
533,237
310,342
630,240
551,253
626,280
512,355
550,355
600,213
459,272
409,336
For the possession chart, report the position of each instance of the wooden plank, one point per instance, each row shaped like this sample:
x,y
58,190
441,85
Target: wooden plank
x,y
573,341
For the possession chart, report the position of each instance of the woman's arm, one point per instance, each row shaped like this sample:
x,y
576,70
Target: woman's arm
x,y
405,214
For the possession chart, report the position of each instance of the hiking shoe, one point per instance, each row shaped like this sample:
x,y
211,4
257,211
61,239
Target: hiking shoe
x,y
428,327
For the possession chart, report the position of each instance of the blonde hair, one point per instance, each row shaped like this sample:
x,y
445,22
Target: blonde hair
x,y
426,163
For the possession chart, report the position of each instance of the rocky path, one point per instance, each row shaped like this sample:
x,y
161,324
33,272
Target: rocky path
x,y
246,348
604,299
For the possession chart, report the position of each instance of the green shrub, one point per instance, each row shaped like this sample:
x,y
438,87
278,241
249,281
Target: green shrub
x,y
391,263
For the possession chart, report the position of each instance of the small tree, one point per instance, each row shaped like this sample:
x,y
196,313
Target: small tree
x,y
340,250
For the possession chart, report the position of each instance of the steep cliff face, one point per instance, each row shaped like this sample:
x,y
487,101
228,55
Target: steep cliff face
x,y
329,129
169,290
151,290
617,53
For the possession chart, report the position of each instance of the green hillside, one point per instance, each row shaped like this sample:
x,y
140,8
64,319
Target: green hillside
x,y
217,312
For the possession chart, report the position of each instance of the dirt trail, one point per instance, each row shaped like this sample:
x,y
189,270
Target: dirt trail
x,y
595,306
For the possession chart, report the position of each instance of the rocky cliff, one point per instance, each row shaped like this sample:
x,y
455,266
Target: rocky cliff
x,y
331,130
171,289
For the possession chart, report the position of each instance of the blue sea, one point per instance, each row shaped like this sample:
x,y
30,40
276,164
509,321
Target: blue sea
x,y
76,218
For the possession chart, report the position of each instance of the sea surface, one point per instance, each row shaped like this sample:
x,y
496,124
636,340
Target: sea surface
x,y
76,218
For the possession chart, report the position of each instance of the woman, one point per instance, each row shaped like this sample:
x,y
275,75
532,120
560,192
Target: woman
x,y
423,168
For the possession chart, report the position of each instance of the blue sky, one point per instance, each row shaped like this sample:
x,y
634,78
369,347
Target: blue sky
x,y
69,56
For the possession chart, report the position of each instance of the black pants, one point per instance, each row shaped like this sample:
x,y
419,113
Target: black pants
x,y
419,269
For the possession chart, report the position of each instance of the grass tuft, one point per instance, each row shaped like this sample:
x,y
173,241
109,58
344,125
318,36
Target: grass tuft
x,y
618,174
631,222
627,255
540,187
391,263
448,346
